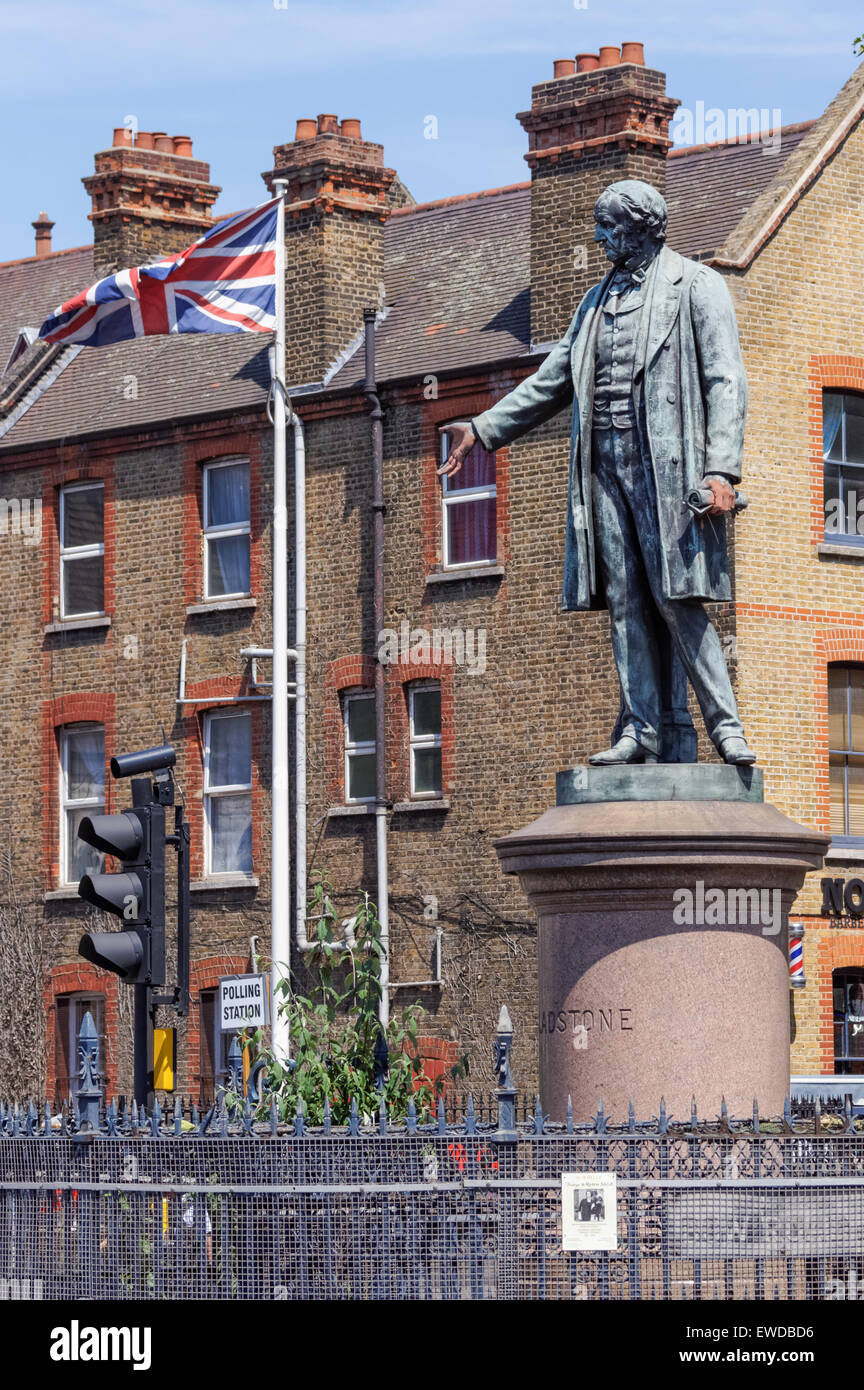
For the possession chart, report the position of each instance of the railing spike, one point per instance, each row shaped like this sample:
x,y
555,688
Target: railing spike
x,y
328,1116
756,1129
569,1113
631,1117
354,1117
411,1123
442,1118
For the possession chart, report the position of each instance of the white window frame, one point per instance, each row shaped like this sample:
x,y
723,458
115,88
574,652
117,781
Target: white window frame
x,y
67,804
80,552
416,741
351,748
232,789
221,532
470,494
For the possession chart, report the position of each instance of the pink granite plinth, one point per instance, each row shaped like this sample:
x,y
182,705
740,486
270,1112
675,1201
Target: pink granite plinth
x,y
640,998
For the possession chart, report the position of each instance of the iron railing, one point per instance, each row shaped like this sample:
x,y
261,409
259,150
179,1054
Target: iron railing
x,y
123,1204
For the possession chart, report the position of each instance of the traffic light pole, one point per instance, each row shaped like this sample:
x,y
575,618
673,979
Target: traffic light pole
x,y
143,1046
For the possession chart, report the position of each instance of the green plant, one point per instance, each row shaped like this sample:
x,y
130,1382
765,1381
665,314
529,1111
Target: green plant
x,y
335,1029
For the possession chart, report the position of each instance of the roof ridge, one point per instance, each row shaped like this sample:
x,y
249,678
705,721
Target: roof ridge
x,y
52,256
751,137
460,198
795,175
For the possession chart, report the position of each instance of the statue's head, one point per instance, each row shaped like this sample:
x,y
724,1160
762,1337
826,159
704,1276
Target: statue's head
x,y
630,221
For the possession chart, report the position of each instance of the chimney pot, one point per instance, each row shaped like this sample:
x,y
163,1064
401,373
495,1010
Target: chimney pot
x,y
633,53
144,140
587,62
43,226
306,129
122,136
328,124
610,56
564,67
351,129
183,145
162,141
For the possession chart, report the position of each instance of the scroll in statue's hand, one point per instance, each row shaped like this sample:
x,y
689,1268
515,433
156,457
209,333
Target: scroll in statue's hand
x,y
723,494
462,441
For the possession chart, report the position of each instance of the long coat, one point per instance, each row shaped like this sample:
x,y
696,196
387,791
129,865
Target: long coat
x,y
689,375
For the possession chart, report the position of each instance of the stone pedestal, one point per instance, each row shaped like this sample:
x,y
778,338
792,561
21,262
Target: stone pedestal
x,y
662,894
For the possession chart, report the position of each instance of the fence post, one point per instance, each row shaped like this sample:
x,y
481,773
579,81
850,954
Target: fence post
x,y
506,1132
505,1141
89,1090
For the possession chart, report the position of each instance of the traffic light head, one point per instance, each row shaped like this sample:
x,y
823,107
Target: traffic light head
x,y
122,952
122,835
136,895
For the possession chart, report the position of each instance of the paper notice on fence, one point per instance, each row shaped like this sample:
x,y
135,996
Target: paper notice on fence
x,y
589,1211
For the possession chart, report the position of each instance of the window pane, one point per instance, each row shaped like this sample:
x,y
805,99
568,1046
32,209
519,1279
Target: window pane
x,y
837,794
81,858
426,706
856,699
83,585
427,770
361,776
227,565
230,761
472,531
855,774
231,834
360,718
228,495
838,729
478,470
854,429
85,763
82,516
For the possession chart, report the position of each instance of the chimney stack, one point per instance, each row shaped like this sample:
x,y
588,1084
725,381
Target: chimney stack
x,y
608,121
150,198
43,227
337,201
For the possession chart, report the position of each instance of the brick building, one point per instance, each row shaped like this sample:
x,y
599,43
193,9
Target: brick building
x,y
137,483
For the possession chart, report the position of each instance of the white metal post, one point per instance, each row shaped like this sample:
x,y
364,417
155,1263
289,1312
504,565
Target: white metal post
x,y
280,938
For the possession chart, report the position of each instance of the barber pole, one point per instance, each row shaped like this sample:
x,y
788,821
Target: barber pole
x,y
796,956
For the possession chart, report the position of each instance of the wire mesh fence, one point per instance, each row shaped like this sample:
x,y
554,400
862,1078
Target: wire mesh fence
x,y
428,1215
112,1203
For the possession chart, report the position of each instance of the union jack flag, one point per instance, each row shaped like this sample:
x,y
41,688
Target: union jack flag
x,y
224,283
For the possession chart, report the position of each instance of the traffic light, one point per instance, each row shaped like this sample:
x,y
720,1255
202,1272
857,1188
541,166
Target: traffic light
x,y
136,895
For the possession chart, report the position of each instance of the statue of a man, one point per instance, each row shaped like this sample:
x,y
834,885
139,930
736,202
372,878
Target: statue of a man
x,y
653,366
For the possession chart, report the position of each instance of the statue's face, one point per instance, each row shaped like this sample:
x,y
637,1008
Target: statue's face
x,y
614,228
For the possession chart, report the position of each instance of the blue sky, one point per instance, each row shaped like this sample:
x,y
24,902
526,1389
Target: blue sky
x,y
236,74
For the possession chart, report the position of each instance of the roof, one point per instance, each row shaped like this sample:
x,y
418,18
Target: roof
x,y
710,187
457,277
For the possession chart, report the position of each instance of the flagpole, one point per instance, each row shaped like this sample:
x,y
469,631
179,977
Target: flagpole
x,y
280,854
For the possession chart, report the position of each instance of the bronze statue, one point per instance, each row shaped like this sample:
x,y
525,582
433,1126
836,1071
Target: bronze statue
x,y
652,364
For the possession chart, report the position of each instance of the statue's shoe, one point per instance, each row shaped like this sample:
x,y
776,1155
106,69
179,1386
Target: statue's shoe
x,y
736,750
626,750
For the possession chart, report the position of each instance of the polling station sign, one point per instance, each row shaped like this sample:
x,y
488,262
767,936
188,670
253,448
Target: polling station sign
x,y
243,1002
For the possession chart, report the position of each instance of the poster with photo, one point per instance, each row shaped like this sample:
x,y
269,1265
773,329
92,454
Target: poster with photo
x,y
589,1211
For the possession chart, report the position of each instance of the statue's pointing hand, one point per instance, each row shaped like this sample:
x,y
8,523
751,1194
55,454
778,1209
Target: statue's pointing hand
x,y
462,441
